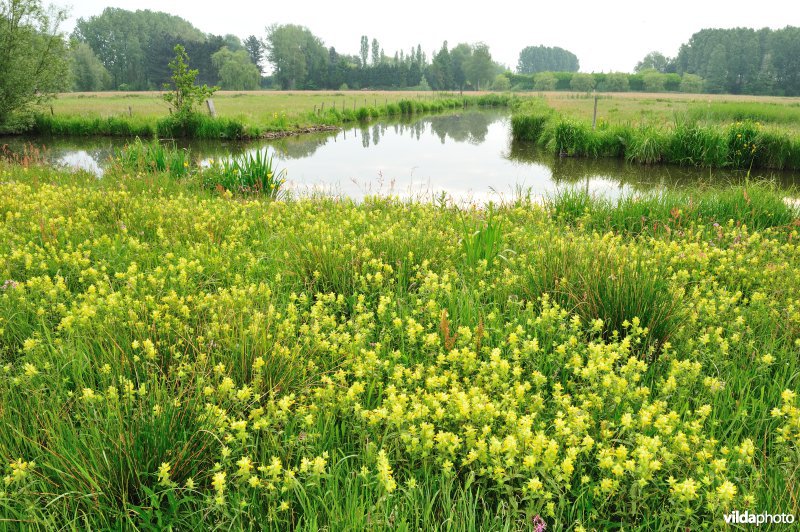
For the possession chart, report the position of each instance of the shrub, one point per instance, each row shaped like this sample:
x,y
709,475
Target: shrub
x,y
544,81
582,82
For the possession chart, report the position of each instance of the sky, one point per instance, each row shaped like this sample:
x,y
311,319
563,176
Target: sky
x,y
609,36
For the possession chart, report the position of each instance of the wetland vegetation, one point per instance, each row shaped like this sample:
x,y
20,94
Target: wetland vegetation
x,y
201,334
179,356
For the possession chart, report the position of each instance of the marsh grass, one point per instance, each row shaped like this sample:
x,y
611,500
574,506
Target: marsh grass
x,y
608,282
764,112
481,240
647,146
249,173
153,156
82,126
695,145
758,205
352,356
243,122
744,145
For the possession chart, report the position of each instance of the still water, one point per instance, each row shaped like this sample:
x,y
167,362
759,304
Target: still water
x,y
468,156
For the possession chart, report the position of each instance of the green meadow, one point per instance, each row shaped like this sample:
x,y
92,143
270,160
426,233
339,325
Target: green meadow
x,y
239,114
178,355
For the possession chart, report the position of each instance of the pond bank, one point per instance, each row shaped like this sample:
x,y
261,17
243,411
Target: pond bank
x,y
201,126
742,145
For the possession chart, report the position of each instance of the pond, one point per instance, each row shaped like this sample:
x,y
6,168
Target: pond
x,y
468,155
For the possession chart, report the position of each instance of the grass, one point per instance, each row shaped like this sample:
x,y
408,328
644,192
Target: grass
x,y
240,115
249,173
758,205
175,357
743,145
153,156
662,109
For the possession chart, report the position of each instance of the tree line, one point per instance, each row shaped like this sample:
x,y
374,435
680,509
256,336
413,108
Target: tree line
x,y
737,61
130,50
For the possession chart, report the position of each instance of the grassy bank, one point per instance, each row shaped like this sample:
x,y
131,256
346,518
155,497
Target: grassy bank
x,y
96,117
741,145
663,109
176,356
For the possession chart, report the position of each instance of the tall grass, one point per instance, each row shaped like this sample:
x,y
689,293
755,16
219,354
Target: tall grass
x,y
188,361
82,126
758,205
742,145
481,240
201,126
647,146
694,145
249,173
407,107
764,112
153,156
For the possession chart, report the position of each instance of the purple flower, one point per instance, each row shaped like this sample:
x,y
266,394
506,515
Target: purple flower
x,y
9,284
538,524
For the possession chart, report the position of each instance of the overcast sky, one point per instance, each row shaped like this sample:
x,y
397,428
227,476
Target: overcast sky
x,y
606,36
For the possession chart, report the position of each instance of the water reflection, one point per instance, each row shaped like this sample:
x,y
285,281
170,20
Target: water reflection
x,y
575,170
468,155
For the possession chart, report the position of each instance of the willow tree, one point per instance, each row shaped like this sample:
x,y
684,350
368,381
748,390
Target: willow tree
x,y
33,59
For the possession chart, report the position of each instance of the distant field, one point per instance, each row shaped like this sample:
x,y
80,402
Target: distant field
x,y
262,107
253,108
663,108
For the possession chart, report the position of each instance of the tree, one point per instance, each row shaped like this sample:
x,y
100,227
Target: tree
x,y
479,66
717,70
655,61
581,82
183,94
298,57
439,74
376,52
784,46
364,50
692,83
88,73
501,83
545,81
617,82
33,59
653,81
533,59
236,71
255,49
459,57
136,46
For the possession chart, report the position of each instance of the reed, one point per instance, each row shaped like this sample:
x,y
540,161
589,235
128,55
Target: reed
x,y
250,173
743,145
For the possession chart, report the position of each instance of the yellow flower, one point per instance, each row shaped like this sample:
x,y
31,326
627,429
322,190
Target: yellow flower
x,y
218,482
726,491
163,474
245,466
30,370
385,472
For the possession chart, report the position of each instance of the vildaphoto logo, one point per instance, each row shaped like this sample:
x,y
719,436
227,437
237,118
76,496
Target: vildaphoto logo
x,y
747,518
